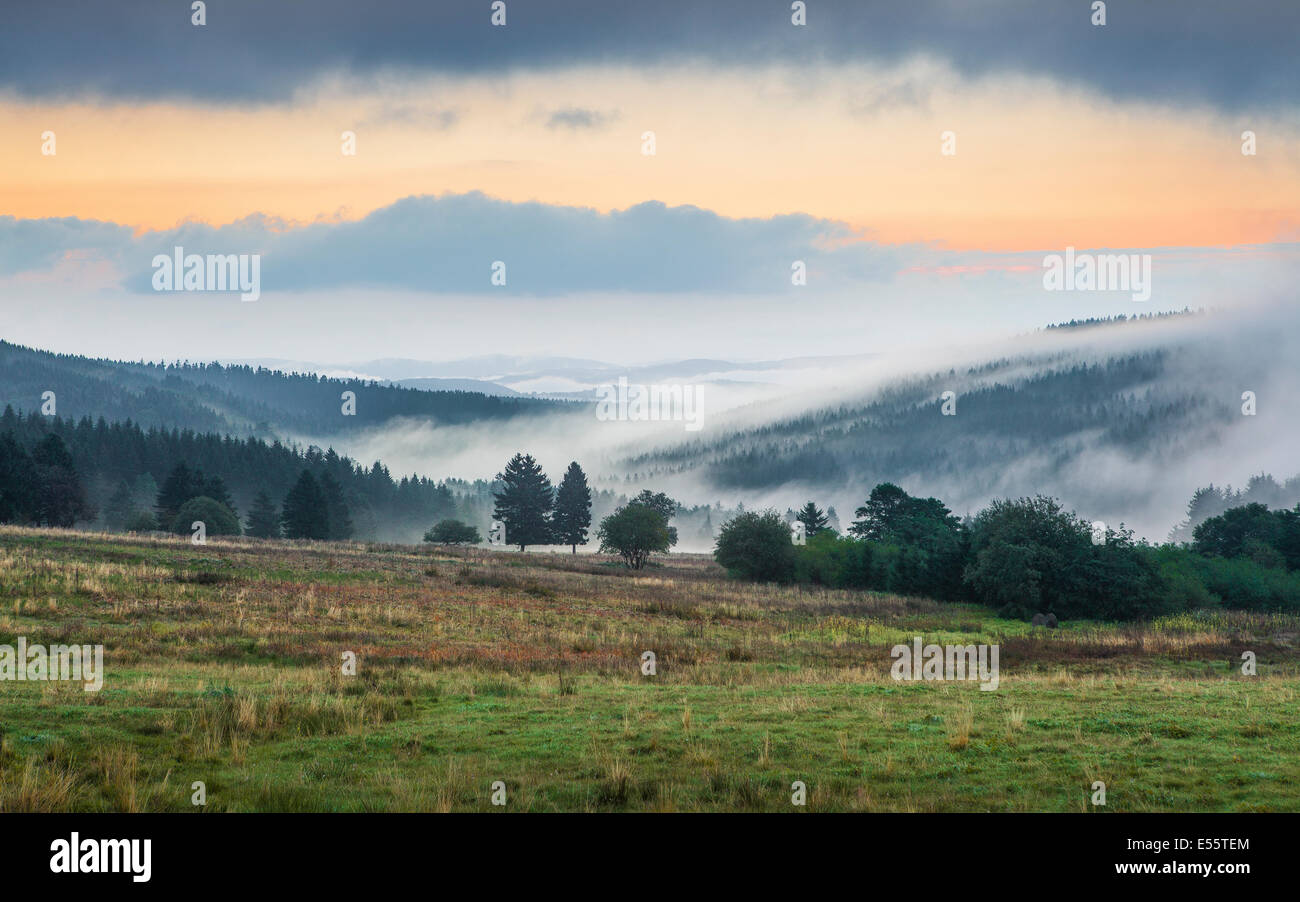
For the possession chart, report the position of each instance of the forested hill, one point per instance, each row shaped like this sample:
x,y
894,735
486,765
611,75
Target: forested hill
x,y
1000,415
1122,421
237,400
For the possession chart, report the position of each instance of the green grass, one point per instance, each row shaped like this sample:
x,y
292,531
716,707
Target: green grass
x,y
476,667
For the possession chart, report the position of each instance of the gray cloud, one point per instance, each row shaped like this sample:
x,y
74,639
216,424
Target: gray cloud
x,y
448,244
1243,54
414,115
868,100
575,118
36,244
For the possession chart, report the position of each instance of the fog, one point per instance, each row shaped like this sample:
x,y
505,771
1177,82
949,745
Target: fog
x,y
1211,359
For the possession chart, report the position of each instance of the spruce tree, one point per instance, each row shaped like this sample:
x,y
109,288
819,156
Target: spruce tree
x,y
60,496
832,518
120,507
180,486
305,514
524,504
144,486
17,482
215,488
263,518
813,520
339,519
572,508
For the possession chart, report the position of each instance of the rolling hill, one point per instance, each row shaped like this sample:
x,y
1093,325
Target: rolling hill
x,y
238,400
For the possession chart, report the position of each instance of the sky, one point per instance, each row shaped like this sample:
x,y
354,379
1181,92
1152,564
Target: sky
x,y
919,159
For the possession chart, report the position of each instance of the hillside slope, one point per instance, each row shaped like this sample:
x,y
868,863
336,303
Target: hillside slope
x,y
1123,421
232,399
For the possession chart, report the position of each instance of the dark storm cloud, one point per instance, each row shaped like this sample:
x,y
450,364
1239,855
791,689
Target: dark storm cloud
x,y
1229,54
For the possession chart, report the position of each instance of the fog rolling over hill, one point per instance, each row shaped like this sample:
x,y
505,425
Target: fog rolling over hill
x,y
1122,421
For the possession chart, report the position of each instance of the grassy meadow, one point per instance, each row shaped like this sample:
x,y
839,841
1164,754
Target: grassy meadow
x,y
223,665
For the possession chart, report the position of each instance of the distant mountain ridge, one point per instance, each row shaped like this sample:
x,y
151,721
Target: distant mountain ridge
x,y
469,385
556,378
237,400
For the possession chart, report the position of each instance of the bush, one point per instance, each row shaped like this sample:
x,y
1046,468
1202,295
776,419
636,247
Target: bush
x,y
453,532
757,546
1242,583
140,521
217,519
633,532
839,563
1032,556
1182,584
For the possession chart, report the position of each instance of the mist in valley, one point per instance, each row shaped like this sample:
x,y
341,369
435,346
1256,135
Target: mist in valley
x,y
1188,428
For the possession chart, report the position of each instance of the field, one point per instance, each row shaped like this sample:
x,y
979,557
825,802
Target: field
x,y
224,665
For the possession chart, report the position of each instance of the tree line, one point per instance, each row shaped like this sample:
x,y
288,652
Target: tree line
x,y
1021,556
1026,556
120,467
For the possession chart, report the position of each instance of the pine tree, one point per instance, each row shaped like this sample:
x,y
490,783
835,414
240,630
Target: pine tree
x,y
180,486
144,486
524,503
215,488
706,528
339,520
17,481
813,520
60,496
305,514
832,518
572,508
120,507
263,518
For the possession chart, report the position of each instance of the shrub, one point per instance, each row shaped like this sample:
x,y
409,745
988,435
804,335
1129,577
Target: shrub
x,y
756,546
1031,556
1245,584
217,519
141,521
633,532
453,532
829,560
